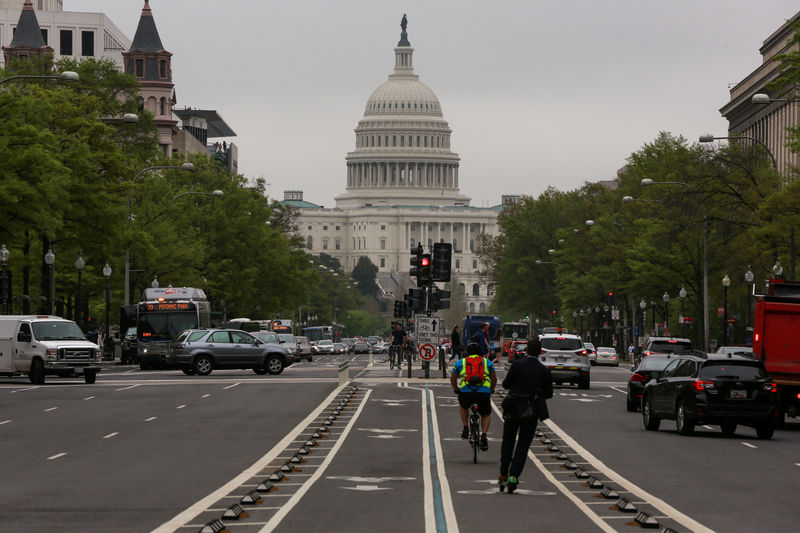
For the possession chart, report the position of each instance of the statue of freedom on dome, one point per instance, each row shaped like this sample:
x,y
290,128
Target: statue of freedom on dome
x,y
404,23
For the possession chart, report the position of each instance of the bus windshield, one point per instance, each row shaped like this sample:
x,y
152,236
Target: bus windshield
x,y
509,330
165,326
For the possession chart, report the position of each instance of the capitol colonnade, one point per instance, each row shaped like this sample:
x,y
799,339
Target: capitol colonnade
x,y
402,174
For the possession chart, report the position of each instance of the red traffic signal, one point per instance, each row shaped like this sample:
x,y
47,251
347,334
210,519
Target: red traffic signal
x,y
426,261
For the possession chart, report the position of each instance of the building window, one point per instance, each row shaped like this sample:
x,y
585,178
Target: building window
x,y
476,290
65,37
162,106
383,227
309,242
394,140
383,262
338,228
430,243
162,69
482,308
472,308
475,264
325,227
324,244
402,141
44,36
87,43
338,245
383,244
455,245
139,68
309,228
472,245
458,264
413,242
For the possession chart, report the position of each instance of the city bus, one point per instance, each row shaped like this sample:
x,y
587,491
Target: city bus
x,y
161,315
281,325
318,333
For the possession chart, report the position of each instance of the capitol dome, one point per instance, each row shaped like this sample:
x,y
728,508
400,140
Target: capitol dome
x,y
402,154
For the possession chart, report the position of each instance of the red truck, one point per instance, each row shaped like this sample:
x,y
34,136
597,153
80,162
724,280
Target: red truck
x,y
776,340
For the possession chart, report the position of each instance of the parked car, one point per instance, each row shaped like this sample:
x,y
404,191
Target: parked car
x,y
200,351
649,367
722,390
606,356
304,350
288,341
567,359
129,345
517,350
324,346
361,347
591,352
665,345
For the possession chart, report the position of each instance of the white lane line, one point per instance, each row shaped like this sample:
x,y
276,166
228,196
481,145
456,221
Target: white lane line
x,y
23,390
590,514
296,497
130,387
661,505
150,419
181,406
797,464
706,427
447,501
51,409
56,456
206,395
111,435
749,445
200,506
88,398
231,386
616,389
4,422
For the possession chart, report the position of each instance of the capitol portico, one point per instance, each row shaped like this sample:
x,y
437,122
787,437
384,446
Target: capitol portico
x,y
402,188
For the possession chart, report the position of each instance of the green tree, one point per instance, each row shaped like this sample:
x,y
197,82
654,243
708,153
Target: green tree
x,y
364,273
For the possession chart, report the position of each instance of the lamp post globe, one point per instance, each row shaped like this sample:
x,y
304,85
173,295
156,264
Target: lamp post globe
x,y
749,277
107,342
154,283
726,282
50,261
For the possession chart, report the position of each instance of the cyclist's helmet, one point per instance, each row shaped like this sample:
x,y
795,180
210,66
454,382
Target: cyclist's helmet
x,y
473,349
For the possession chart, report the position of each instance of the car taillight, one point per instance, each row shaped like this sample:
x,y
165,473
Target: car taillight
x,y
702,386
581,352
757,337
648,353
543,352
772,387
640,378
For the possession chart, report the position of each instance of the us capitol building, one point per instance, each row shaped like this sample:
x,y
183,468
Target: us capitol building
x,y
402,189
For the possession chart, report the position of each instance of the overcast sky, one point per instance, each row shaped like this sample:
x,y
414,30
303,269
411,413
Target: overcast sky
x,y
537,92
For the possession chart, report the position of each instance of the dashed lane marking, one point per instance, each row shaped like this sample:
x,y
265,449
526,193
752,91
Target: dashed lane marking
x,y
110,435
181,406
51,409
231,386
150,419
206,395
56,456
749,445
129,387
4,422
88,398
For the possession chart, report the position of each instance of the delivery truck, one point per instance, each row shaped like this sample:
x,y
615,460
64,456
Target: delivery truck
x,y
40,345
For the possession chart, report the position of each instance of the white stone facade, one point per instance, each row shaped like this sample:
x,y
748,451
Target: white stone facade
x,y
402,188
68,33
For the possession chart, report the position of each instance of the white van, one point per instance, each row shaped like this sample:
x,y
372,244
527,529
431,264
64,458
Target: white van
x,y
37,345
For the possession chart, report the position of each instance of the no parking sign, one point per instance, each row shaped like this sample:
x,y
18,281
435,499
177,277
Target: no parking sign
x,y
427,352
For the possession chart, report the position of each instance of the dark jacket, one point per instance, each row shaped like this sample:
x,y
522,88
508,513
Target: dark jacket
x,y
455,340
529,376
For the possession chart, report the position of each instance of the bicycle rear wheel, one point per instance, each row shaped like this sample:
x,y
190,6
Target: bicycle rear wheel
x,y
474,437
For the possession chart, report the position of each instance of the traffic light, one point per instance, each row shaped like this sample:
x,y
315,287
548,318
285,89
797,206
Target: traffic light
x,y
442,258
425,270
399,309
416,299
439,299
612,299
416,263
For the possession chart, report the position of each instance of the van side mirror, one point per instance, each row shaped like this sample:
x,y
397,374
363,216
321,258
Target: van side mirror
x,y
23,336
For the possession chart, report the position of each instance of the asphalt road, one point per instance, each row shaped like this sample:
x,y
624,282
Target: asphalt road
x,y
161,451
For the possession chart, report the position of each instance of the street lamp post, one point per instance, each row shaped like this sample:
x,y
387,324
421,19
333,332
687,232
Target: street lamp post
x,y
575,319
50,261
581,331
749,277
666,310
188,167
107,275
643,307
80,264
67,75
726,282
5,296
682,294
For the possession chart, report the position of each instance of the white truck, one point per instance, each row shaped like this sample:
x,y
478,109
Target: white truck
x,y
39,345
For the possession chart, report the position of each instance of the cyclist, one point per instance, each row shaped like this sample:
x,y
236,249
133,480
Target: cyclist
x,y
399,342
473,379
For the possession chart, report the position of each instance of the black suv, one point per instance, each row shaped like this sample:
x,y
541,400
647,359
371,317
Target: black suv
x,y
696,388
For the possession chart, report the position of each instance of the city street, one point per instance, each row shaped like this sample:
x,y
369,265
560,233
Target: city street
x,y
142,451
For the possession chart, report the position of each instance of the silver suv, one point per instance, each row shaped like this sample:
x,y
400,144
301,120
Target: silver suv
x,y
567,359
665,345
199,351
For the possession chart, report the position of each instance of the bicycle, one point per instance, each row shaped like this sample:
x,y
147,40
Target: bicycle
x,y
396,356
474,431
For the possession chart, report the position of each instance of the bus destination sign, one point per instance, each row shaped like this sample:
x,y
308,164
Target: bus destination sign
x,y
168,306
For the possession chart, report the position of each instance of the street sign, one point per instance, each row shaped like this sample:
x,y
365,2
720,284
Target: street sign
x,y
615,314
427,352
428,329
